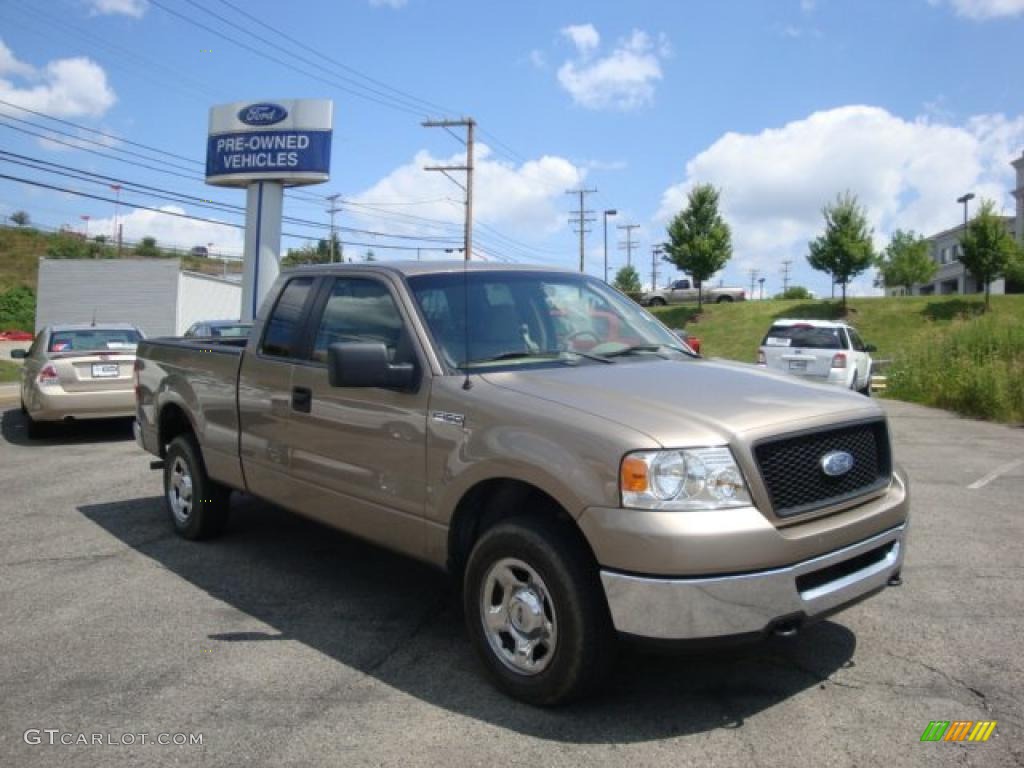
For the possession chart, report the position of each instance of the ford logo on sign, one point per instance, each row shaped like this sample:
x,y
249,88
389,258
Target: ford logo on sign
x,y
262,114
836,463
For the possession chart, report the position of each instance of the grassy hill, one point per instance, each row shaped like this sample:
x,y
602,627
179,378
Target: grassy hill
x,y
943,352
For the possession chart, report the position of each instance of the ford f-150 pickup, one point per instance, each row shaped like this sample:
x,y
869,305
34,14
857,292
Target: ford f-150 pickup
x,y
582,474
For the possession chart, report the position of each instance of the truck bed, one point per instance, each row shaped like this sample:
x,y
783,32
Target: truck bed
x,y
201,375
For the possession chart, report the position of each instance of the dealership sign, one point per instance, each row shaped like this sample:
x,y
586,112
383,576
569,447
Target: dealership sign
x,y
287,141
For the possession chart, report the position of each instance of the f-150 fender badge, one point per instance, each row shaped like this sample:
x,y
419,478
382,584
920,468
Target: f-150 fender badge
x,y
448,418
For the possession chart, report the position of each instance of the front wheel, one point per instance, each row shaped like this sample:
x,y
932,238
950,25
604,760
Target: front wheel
x,y
656,302
536,612
723,300
198,506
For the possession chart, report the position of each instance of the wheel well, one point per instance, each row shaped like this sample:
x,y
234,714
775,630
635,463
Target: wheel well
x,y
173,422
490,501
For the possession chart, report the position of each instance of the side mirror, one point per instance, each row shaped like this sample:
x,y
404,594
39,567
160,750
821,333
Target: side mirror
x,y
19,354
361,364
870,348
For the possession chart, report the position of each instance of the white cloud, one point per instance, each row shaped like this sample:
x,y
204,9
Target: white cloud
x,y
9,64
984,9
584,36
624,79
907,173
134,8
65,87
525,201
388,3
537,59
171,231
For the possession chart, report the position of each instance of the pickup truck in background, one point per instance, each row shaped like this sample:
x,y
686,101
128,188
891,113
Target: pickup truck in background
x,y
582,475
684,292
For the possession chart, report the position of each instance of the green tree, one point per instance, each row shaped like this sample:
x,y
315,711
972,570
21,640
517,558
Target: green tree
x,y
627,280
845,249
794,292
314,254
21,218
18,308
906,261
67,246
700,242
988,247
370,256
147,248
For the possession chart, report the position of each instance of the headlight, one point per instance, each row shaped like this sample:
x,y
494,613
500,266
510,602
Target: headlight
x,y
687,478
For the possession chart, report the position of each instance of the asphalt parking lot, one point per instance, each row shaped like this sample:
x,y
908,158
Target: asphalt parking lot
x,y
285,643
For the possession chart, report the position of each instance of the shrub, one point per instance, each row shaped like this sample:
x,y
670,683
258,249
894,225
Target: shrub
x,y
18,308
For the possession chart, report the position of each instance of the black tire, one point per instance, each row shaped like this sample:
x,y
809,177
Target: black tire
x,y
656,302
584,647
723,300
866,389
206,513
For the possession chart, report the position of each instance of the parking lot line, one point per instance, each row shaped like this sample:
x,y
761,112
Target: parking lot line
x,y
994,474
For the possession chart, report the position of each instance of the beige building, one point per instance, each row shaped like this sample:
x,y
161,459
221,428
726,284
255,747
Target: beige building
x,y
951,277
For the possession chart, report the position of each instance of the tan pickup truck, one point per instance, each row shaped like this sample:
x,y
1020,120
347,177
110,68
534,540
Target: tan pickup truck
x,y
577,469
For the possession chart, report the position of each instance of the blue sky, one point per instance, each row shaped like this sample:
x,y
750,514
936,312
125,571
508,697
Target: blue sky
x,y
780,104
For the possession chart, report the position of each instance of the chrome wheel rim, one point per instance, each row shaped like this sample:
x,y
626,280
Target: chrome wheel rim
x,y
179,491
518,616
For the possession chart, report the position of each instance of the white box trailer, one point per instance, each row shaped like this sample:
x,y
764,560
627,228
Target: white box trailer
x,y
154,294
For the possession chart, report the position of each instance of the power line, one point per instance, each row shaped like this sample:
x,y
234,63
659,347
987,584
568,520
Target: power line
x,y
103,198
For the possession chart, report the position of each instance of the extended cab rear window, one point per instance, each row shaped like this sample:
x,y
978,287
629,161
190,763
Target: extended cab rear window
x,y
93,339
804,336
279,340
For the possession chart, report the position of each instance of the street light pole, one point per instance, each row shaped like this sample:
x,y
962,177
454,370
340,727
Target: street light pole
x,y
964,199
86,218
117,204
607,213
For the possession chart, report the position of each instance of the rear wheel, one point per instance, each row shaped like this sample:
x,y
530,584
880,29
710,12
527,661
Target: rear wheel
x,y
723,300
536,613
198,506
36,430
657,301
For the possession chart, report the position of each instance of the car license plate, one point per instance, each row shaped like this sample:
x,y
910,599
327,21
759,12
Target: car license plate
x,y
105,370
798,365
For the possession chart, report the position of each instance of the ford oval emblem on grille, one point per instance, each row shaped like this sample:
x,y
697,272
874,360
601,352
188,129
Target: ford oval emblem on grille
x,y
262,114
836,463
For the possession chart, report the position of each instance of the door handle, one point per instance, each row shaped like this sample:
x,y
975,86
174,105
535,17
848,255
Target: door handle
x,y
302,399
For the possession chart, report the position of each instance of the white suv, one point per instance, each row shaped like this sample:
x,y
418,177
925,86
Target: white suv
x,y
830,352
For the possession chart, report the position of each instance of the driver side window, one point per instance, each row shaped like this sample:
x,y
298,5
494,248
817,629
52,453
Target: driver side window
x,y
362,310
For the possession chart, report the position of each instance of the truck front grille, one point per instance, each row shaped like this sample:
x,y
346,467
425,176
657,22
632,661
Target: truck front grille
x,y
791,467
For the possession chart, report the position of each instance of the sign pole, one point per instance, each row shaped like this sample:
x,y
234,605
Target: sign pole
x,y
261,266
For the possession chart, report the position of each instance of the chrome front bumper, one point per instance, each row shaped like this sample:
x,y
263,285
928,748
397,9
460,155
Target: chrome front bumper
x,y
706,607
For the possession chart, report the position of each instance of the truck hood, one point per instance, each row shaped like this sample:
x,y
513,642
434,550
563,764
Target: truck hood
x,y
690,402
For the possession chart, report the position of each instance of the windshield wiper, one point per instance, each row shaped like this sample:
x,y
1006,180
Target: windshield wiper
x,y
545,355
644,348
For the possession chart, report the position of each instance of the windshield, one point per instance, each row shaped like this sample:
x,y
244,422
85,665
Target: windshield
x,y
93,339
520,318
806,336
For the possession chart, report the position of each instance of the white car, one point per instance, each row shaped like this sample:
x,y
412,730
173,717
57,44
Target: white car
x,y
823,350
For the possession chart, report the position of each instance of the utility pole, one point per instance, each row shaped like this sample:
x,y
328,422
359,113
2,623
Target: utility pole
x,y
656,250
785,275
629,245
761,281
607,213
333,209
581,220
753,278
470,125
